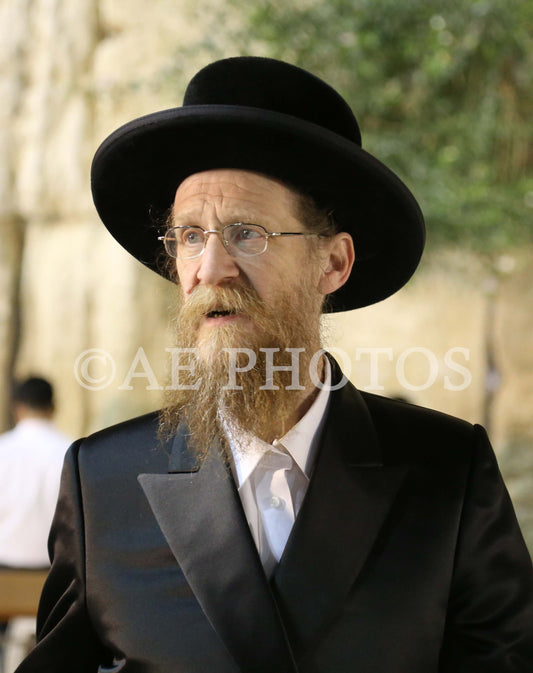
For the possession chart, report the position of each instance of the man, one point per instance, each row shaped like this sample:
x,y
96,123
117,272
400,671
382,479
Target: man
x,y
263,522
31,457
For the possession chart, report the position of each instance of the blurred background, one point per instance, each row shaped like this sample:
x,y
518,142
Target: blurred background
x,y
443,95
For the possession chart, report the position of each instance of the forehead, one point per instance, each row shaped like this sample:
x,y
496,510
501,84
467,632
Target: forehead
x,y
232,189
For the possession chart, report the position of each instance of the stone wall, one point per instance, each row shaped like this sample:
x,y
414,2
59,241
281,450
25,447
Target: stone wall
x,y
70,73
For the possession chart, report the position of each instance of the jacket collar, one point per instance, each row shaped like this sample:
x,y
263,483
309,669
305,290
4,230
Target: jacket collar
x,y
346,506
199,512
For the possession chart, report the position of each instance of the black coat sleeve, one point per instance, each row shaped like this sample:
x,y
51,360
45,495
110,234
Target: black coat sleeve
x,y
66,641
490,613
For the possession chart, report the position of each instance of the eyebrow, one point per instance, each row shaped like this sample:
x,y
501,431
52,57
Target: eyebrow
x,y
185,219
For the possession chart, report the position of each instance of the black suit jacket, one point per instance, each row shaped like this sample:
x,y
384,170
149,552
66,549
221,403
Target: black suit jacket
x,y
405,558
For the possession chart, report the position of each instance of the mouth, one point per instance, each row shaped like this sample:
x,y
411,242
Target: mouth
x,y
220,317
219,314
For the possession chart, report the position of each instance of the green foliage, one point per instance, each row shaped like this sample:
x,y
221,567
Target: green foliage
x,y
442,92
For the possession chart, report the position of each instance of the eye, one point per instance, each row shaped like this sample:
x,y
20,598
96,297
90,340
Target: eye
x,y
245,239
189,236
247,233
241,234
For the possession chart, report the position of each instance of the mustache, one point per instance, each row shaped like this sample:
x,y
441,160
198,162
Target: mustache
x,y
205,300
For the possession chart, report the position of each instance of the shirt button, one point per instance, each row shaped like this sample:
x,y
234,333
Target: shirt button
x,y
276,503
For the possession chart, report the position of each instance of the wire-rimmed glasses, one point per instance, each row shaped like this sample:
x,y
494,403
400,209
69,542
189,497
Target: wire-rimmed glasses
x,y
240,239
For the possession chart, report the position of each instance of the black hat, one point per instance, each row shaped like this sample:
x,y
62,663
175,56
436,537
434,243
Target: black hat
x,y
271,117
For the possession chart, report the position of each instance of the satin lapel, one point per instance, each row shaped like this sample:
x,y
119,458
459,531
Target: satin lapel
x,y
345,508
200,514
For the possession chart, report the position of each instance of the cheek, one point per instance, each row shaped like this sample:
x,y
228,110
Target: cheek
x,y
265,280
278,283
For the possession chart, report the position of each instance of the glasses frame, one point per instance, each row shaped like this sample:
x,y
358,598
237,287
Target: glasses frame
x,y
221,232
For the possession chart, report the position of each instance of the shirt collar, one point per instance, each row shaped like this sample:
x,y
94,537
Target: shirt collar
x,y
301,441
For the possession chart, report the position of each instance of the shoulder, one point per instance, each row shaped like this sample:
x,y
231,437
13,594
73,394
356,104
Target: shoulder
x,y
405,433
404,415
8,439
131,444
448,459
417,434
141,428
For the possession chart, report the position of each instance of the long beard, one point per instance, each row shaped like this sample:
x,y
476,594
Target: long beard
x,y
220,382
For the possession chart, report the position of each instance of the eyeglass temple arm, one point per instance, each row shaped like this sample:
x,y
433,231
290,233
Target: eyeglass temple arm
x,y
287,233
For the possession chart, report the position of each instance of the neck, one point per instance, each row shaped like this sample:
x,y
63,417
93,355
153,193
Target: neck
x,y
23,413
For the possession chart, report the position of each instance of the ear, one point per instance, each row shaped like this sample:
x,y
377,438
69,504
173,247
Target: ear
x,y
338,260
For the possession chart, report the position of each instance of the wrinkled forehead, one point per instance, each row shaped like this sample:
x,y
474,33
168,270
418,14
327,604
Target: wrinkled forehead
x,y
235,182
235,190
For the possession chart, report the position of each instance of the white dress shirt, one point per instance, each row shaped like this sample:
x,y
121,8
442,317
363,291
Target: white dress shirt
x,y
31,458
272,479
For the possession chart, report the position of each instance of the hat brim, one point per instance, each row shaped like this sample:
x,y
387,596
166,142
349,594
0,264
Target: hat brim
x,y
136,172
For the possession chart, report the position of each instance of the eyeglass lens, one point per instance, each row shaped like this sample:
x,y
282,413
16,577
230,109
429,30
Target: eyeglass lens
x,y
239,239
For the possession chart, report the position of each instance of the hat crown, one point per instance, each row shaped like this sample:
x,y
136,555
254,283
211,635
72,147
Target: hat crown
x,y
269,84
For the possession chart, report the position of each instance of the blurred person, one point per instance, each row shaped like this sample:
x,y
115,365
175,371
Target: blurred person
x,y
272,518
31,458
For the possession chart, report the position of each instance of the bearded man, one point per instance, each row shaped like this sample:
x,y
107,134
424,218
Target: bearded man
x,y
272,518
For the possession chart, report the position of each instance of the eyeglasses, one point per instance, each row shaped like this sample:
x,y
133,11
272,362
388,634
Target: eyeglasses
x,y
239,239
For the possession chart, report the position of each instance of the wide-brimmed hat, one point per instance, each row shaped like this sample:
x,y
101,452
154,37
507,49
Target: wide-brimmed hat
x,y
271,117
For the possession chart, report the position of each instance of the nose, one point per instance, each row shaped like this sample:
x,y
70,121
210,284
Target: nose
x,y
216,265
